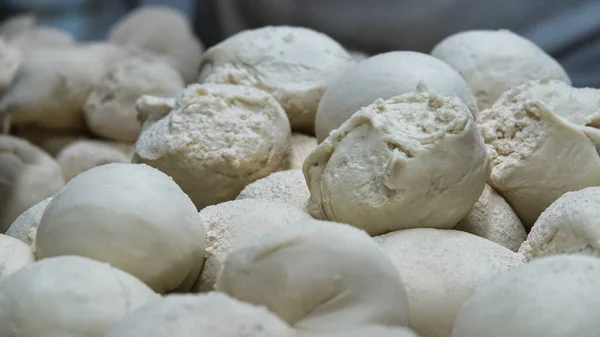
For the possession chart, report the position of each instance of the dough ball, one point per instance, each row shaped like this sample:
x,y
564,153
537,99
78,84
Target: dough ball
x,y
27,176
286,187
17,24
302,146
217,139
364,331
318,276
385,76
131,216
10,59
83,155
411,161
14,255
551,297
493,61
214,314
25,226
358,56
41,38
163,31
441,269
50,140
68,296
293,64
536,154
110,108
492,218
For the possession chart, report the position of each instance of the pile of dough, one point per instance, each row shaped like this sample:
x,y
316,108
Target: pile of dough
x,y
552,297
441,269
293,64
492,218
217,139
113,214
68,296
493,61
287,187
411,161
10,59
83,155
14,255
302,146
41,38
213,314
25,226
318,276
385,76
17,24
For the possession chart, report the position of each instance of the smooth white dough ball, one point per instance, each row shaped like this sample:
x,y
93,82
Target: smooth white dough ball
x,y
302,146
25,226
14,255
287,187
41,38
83,155
50,140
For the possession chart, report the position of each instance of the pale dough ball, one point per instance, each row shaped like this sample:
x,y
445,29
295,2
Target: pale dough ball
x,y
232,224
213,314
441,269
302,146
163,31
293,64
492,218
110,108
14,255
25,226
411,161
10,59
551,297
68,296
358,56
493,61
364,331
217,139
385,76
83,155
41,38
536,154
28,175
318,276
287,187
17,24
132,216
50,140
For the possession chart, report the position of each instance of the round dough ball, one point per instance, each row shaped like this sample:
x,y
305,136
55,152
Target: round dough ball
x,y
83,155
50,140
441,269
131,216
551,297
27,176
385,76
318,276
492,218
164,31
25,226
213,314
217,139
293,64
411,161
17,24
110,108
14,255
41,38
302,146
493,61
364,331
68,296
286,187
10,59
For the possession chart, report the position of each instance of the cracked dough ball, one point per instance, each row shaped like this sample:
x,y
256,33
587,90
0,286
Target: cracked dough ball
x,y
25,226
411,161
213,314
441,269
10,59
493,61
68,296
17,24
110,108
538,150
41,38
551,297
385,76
136,218
318,276
27,176
302,146
83,155
14,255
287,187
492,218
217,139
293,64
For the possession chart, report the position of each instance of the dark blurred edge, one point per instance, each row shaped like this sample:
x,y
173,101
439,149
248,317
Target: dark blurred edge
x,y
207,25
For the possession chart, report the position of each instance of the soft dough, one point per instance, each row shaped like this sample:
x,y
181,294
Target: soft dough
x,y
364,331
41,38
83,155
14,255
25,226
288,187
10,60
302,146
411,161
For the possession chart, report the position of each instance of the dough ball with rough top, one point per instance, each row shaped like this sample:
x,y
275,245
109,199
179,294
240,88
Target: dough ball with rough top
x,y
41,38
14,255
302,146
294,64
10,60
217,139
411,161
287,187
83,155
25,226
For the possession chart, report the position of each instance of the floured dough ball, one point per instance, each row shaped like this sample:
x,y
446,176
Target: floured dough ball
x,y
293,64
287,187
17,24
68,296
163,31
538,151
214,314
552,297
83,155
217,139
110,108
28,175
441,269
302,146
14,255
41,38
492,218
232,224
364,331
493,61
411,161
385,76
134,217
318,276
25,226
10,59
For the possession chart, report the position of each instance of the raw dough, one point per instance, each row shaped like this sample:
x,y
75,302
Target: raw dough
x,y
14,255
41,38
25,226
302,146
17,24
287,187
10,59
364,331
83,155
